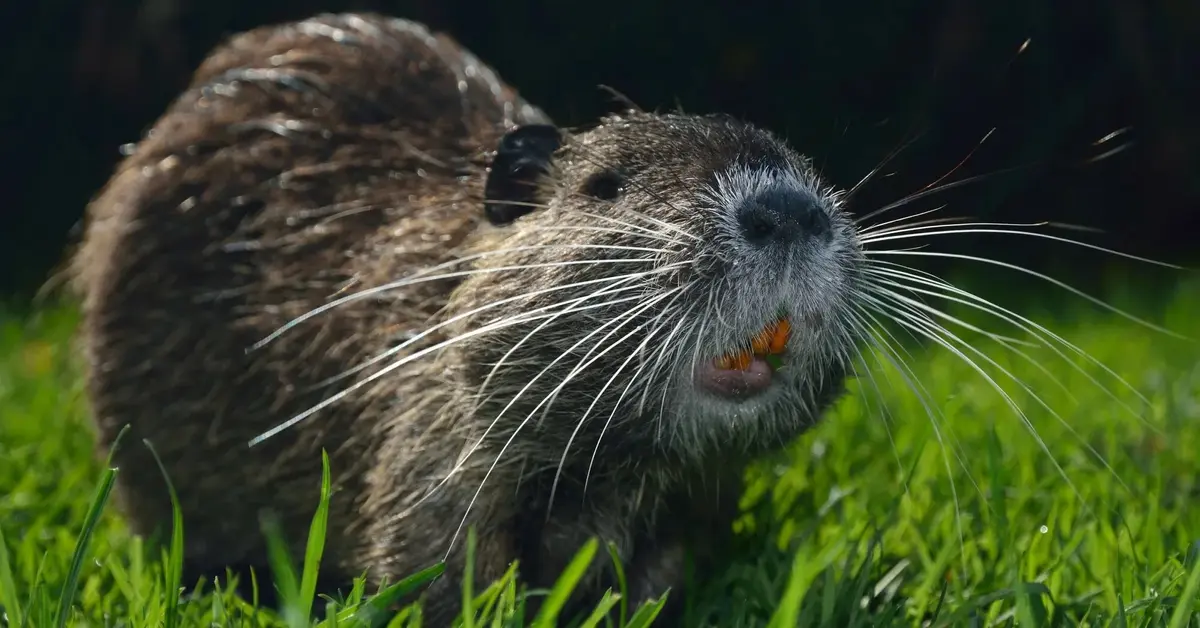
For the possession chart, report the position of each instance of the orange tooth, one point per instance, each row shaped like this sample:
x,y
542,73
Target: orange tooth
x,y
762,342
782,331
741,361
735,362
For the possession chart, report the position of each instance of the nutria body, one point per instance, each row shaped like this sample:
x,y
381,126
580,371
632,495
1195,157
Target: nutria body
x,y
316,160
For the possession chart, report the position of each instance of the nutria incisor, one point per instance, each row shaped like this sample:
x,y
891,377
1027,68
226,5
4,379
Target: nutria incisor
x,y
349,234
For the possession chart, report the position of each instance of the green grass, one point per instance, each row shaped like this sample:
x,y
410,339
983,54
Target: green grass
x,y
880,516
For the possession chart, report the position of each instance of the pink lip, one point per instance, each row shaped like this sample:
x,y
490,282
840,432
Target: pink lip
x,y
735,384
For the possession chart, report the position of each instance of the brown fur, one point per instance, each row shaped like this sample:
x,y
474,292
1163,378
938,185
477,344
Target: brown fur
x,y
311,160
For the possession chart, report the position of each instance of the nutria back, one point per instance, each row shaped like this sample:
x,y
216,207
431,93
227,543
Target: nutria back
x,y
260,194
327,178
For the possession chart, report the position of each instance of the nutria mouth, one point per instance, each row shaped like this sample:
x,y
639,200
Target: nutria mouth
x,y
748,372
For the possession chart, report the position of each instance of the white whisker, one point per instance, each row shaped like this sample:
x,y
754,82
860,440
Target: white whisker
x,y
906,221
915,232
487,431
629,315
1025,324
450,321
935,332
658,363
1044,277
649,235
549,321
405,360
422,277
861,330
600,393
898,365
927,192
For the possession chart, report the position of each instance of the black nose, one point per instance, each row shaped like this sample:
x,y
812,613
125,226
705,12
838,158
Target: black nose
x,y
783,215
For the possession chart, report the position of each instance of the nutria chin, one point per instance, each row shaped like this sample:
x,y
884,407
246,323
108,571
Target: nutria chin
x,y
486,321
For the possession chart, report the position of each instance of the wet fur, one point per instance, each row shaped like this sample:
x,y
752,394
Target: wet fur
x,y
313,160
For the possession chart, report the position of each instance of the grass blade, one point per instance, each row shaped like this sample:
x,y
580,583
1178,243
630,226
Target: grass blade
x,y
376,611
495,600
608,601
284,572
316,541
622,586
983,601
66,596
108,479
8,587
218,605
1182,615
173,574
805,570
648,612
36,603
468,613
565,585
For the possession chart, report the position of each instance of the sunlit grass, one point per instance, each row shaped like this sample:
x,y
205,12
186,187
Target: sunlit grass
x,y
869,520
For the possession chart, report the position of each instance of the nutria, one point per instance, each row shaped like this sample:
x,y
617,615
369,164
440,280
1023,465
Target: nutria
x,y
604,323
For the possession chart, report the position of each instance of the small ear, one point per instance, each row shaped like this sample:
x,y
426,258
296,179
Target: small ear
x,y
524,154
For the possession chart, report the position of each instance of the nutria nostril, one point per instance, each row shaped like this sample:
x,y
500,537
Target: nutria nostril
x,y
782,215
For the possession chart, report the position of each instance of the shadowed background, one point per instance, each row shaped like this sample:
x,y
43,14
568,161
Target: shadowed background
x,y
846,81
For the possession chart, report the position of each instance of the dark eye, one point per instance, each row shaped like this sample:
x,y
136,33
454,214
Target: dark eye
x,y
605,185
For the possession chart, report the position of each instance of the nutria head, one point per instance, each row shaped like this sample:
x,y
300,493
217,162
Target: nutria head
x,y
671,282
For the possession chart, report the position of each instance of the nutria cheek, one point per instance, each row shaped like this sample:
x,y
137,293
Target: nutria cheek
x,y
732,383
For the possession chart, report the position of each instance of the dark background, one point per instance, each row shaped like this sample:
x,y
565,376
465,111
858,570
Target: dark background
x,y
846,81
